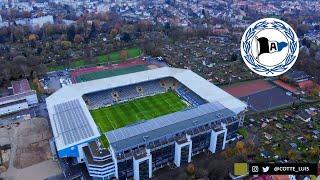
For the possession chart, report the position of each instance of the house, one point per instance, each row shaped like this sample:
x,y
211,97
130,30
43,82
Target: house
x,y
297,76
312,111
278,125
316,132
293,145
263,125
304,116
268,136
302,139
265,154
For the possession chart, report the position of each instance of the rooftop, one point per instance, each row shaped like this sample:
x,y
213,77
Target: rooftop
x,y
21,86
15,97
129,136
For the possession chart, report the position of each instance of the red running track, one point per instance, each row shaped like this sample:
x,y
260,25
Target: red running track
x,y
248,88
77,72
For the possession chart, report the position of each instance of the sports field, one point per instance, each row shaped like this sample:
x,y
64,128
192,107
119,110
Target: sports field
x,y
120,115
113,57
110,73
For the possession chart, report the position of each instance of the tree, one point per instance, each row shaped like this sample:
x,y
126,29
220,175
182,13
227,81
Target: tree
x,y
228,153
314,152
217,169
71,33
234,57
191,171
240,146
78,38
126,37
243,132
114,32
292,155
32,37
314,92
19,67
65,44
123,54
93,31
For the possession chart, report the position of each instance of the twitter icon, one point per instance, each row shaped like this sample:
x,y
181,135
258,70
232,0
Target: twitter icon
x,y
265,169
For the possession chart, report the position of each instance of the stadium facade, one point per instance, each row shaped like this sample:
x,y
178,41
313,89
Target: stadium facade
x,y
139,149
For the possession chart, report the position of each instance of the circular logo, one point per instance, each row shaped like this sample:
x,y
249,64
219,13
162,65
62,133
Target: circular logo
x,y
269,47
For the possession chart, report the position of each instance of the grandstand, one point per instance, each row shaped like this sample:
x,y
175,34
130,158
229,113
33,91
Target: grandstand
x,y
146,119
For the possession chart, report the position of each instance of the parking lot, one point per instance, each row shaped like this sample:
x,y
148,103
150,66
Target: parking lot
x,y
55,80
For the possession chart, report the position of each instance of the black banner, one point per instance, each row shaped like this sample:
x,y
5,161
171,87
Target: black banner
x,y
283,168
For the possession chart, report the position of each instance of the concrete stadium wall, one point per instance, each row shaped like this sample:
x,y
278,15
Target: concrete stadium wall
x,y
32,99
13,108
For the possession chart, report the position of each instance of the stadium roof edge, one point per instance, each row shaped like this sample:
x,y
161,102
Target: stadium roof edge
x,y
200,86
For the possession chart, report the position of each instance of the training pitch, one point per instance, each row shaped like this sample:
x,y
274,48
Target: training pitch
x,y
122,114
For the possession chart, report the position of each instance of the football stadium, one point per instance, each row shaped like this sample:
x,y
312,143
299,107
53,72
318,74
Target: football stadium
x,y
130,125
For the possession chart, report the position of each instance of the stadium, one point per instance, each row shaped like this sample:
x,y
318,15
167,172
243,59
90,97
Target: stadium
x,y
130,125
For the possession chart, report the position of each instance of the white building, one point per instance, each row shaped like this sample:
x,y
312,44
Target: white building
x,y
34,22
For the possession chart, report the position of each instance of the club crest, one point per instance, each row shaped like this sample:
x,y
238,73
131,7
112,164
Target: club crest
x,y
269,47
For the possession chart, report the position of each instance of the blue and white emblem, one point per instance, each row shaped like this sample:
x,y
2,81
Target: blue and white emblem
x,y
269,47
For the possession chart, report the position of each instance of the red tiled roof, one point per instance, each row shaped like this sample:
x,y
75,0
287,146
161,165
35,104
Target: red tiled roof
x,y
20,86
306,85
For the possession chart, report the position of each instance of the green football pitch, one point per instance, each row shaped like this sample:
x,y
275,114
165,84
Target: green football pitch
x,y
122,114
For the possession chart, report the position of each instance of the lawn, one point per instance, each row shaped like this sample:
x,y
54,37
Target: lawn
x,y
134,52
123,114
55,68
115,56
78,63
104,141
112,57
102,58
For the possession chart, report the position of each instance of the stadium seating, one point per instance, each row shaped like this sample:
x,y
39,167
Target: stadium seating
x,y
99,99
103,98
189,96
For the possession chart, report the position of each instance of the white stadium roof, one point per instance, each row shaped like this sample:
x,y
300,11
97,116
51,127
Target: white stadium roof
x,y
71,120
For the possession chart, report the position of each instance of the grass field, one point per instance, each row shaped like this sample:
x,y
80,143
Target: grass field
x,y
78,63
120,115
113,57
109,73
55,68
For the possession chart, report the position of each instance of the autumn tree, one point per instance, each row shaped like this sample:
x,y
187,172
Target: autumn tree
x,y
78,38
191,171
71,33
240,146
292,155
123,54
314,152
114,31
228,153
